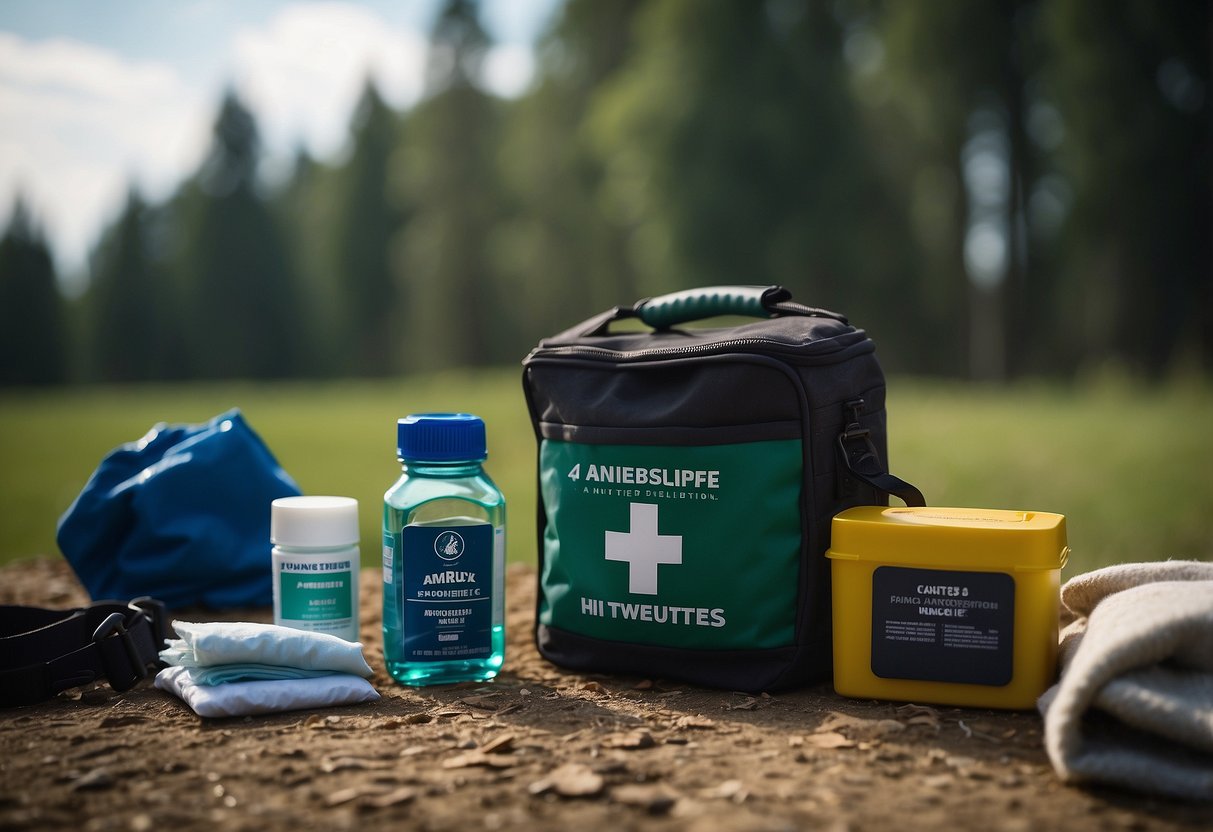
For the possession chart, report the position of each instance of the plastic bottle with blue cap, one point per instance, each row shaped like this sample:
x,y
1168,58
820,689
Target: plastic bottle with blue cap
x,y
443,555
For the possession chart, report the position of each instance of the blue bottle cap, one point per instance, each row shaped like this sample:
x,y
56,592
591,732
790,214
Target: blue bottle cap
x,y
440,437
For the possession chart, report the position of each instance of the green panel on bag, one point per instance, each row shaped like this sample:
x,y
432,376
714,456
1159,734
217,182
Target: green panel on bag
x,y
688,546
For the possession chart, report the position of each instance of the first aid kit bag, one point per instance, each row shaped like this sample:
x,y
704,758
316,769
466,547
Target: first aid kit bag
x,y
687,476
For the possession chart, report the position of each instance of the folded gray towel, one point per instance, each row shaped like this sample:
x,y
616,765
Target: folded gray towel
x,y
1137,644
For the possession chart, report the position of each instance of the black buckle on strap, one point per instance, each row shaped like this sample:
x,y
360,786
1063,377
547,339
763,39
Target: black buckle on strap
x,y
860,462
46,651
121,677
857,453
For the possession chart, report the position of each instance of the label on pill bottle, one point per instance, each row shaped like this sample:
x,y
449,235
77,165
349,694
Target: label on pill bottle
x,y
936,625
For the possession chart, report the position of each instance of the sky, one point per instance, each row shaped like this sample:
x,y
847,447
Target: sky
x,y
95,96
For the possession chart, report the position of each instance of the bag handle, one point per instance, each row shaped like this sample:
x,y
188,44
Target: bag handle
x,y
665,311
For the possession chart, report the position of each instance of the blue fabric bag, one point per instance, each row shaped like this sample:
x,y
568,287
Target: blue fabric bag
x,y
183,514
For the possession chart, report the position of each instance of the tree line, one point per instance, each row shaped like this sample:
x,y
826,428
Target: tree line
x,y
993,190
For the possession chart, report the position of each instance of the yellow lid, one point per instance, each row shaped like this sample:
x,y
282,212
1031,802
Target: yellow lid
x,y
962,537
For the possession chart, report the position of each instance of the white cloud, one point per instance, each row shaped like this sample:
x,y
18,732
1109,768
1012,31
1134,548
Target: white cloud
x,y
77,122
508,69
303,72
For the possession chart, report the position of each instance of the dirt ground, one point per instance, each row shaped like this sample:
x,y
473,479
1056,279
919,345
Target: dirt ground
x,y
537,749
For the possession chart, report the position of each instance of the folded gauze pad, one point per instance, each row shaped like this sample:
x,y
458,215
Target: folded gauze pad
x,y
239,668
242,642
262,697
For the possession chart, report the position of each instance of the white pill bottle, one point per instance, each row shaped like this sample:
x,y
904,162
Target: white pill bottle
x,y
315,564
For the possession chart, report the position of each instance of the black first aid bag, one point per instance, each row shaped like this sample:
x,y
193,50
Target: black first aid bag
x,y
687,478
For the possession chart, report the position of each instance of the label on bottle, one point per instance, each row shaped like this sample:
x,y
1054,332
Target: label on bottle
x,y
316,594
447,574
937,625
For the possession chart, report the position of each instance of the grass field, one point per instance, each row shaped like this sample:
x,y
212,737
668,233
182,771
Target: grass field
x,y
1131,468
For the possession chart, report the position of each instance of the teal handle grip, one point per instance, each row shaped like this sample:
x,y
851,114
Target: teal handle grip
x,y
693,304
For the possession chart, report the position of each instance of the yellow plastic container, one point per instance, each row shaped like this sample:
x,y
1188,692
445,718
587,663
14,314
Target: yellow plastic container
x,y
954,606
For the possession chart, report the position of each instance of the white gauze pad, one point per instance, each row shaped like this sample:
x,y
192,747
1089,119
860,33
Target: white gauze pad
x,y
245,698
242,642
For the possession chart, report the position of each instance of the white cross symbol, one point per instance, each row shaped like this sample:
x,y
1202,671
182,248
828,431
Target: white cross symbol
x,y
643,549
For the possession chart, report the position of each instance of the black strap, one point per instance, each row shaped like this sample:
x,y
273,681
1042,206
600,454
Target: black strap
x,y
43,652
857,456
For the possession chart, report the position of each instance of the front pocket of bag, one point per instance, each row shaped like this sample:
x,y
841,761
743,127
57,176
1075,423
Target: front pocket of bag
x,y
693,546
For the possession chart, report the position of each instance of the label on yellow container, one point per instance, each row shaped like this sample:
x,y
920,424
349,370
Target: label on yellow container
x,y
943,626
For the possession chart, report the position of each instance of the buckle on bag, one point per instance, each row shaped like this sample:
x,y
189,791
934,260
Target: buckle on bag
x,y
859,463
857,452
120,678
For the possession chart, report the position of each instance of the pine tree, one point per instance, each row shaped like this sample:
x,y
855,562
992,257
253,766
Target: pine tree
x,y
368,219
244,315
32,331
563,251
1134,90
736,155
308,210
960,78
454,315
131,305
